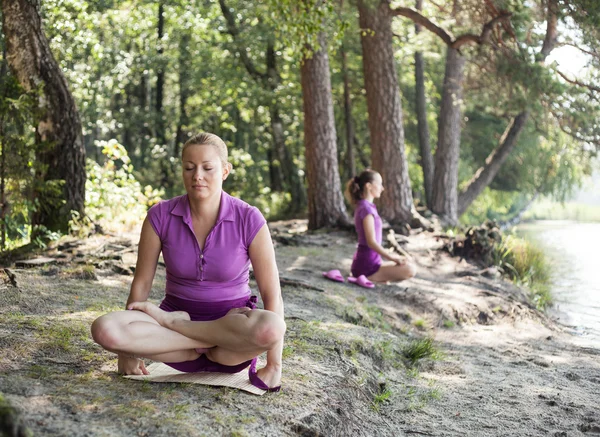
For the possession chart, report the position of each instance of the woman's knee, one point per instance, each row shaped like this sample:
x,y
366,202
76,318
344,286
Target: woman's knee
x,y
106,333
411,270
269,330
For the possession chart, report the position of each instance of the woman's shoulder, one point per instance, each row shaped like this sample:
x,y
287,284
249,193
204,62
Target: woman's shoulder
x,y
365,205
165,206
240,207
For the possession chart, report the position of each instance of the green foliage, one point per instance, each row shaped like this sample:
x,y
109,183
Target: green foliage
x,y
17,160
526,265
247,183
113,196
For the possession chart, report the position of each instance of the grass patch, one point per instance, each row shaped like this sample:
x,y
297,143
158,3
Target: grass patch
x,y
526,265
380,398
449,324
420,323
80,272
369,316
418,349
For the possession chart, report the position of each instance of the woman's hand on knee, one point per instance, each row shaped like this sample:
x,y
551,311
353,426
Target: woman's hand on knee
x,y
399,260
164,318
131,366
242,310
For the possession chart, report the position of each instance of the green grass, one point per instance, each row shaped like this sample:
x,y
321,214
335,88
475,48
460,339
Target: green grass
x,y
449,324
419,323
380,398
418,349
526,265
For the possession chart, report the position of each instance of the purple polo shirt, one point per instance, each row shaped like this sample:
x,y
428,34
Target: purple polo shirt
x,y
218,272
363,209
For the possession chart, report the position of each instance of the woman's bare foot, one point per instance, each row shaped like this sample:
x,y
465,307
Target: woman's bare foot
x,y
164,318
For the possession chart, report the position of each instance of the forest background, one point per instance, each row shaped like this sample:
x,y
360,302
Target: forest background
x,y
458,104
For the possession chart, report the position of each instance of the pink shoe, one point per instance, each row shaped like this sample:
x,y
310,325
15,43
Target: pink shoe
x,y
362,281
334,275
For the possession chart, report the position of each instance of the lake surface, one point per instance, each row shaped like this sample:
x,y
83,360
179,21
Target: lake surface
x,y
574,252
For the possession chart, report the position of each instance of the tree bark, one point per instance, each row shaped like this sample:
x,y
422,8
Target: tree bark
x,y
350,160
62,157
160,77
385,111
445,180
325,201
184,92
276,160
422,126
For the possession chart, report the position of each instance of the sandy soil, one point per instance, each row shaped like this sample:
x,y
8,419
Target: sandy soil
x,y
498,366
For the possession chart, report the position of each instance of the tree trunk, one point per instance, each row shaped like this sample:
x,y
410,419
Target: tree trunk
x,y
63,156
445,180
350,165
276,159
160,78
422,126
484,176
385,111
184,92
325,201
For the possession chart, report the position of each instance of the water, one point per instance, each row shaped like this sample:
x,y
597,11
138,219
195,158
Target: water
x,y
573,250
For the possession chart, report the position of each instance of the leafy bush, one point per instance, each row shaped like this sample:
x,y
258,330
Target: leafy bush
x,y
113,197
251,187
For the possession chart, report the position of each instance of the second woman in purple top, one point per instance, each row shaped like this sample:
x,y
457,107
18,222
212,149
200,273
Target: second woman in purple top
x,y
362,190
207,321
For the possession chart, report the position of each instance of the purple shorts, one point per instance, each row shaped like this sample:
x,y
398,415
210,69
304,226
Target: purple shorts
x,y
205,311
365,262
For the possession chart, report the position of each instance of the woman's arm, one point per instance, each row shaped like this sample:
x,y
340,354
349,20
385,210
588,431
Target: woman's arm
x,y
262,256
369,228
147,260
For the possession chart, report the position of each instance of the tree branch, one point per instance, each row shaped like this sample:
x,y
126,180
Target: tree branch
x,y
418,18
587,52
234,32
551,30
444,34
576,82
485,33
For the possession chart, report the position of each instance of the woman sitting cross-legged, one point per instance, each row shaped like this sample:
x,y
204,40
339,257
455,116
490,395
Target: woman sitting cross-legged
x,y
367,264
207,320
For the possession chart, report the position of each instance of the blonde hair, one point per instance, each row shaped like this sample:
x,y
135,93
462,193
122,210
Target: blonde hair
x,y
208,139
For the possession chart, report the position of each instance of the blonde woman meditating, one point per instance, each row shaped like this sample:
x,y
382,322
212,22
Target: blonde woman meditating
x,y
207,321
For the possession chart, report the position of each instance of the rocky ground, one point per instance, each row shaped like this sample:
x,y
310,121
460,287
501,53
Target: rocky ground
x,y
455,351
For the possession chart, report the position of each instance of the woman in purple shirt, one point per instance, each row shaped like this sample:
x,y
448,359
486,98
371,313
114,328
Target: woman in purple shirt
x,y
362,190
207,320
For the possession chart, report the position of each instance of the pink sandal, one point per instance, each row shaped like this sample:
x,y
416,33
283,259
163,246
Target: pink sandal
x,y
361,281
334,275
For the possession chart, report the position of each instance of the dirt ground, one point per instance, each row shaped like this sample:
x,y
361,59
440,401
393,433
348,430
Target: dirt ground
x,y
352,366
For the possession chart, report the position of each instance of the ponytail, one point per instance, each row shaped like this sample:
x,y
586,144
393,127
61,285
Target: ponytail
x,y
355,187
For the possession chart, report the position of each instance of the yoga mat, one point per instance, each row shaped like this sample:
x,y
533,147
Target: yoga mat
x,y
160,372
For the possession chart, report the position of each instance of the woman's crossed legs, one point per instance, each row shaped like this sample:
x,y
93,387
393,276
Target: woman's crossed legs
x,y
172,337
